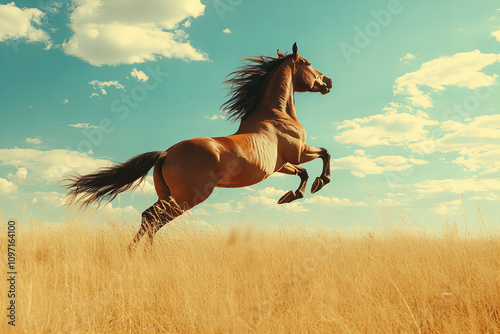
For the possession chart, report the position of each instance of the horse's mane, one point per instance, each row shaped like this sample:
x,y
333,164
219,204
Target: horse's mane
x,y
247,85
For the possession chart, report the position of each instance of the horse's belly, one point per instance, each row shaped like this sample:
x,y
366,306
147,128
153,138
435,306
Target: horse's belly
x,y
251,167
242,176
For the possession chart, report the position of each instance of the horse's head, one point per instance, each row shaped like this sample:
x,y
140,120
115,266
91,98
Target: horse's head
x,y
306,77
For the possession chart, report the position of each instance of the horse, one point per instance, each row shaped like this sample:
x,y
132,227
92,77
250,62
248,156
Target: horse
x,y
269,139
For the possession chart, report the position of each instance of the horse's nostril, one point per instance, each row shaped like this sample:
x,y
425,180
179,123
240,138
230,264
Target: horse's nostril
x,y
327,81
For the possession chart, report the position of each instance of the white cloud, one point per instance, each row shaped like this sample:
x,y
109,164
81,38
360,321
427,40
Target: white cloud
x,y
271,192
7,187
262,200
389,201
458,186
294,207
206,209
496,34
332,201
407,58
222,207
54,7
447,208
21,174
53,165
390,128
360,164
48,199
33,141
139,75
109,210
49,45
226,31
18,23
358,174
461,69
492,197
478,143
272,203
23,177
421,101
268,197
84,126
100,85
215,117
147,187
199,211
487,160
112,32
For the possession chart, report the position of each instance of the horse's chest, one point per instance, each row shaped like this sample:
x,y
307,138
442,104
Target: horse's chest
x,y
295,138
292,133
291,140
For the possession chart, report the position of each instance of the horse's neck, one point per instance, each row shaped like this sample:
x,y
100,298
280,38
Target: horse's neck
x,y
278,97
277,101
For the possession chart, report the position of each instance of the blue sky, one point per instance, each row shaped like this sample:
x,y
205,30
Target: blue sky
x,y
412,123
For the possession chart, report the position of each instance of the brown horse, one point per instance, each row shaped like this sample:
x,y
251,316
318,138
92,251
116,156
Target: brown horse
x,y
270,139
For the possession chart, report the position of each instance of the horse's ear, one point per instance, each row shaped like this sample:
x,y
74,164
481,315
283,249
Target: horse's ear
x,y
295,51
281,55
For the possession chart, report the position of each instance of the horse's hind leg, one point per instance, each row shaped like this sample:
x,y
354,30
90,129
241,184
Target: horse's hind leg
x,y
290,169
161,213
155,217
147,223
186,178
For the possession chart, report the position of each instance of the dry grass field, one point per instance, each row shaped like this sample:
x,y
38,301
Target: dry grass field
x,y
77,278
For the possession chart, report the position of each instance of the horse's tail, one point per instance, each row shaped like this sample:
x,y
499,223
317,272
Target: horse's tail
x,y
106,183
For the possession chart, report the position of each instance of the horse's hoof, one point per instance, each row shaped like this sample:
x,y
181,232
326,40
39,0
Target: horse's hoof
x,y
287,198
317,185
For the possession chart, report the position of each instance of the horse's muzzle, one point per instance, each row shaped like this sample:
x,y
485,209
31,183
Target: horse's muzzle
x,y
327,85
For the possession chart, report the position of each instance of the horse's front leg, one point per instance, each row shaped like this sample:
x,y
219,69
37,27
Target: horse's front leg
x,y
290,169
310,153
